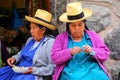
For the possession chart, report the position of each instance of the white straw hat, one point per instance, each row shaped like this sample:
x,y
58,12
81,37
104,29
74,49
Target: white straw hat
x,y
75,12
42,17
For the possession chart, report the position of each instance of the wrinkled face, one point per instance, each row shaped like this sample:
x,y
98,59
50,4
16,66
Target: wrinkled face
x,y
36,32
77,29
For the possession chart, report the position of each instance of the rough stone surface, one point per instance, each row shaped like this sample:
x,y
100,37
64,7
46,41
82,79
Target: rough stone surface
x,y
115,71
100,19
116,7
105,1
57,8
113,41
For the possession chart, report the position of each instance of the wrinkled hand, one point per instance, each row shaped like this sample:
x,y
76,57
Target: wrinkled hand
x,y
87,48
75,50
11,61
28,71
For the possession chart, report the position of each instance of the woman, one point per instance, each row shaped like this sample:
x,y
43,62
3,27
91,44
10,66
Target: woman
x,y
35,55
78,53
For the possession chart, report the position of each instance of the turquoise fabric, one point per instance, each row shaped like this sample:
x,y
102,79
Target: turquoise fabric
x,y
82,66
6,73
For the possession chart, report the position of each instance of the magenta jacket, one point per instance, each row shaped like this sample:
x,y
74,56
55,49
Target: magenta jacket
x,y
60,54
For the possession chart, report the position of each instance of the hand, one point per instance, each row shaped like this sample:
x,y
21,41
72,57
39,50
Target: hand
x,y
75,50
28,71
11,61
87,48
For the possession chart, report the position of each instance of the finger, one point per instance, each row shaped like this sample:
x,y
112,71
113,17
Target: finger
x,y
29,71
87,49
75,50
78,49
9,64
8,61
12,61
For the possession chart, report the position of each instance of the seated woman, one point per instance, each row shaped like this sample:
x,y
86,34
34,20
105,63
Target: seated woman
x,y
79,54
35,55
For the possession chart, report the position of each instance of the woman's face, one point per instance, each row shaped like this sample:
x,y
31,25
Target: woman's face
x,y
36,32
77,29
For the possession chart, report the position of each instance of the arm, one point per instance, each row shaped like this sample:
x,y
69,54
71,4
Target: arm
x,y
17,56
101,50
44,65
60,53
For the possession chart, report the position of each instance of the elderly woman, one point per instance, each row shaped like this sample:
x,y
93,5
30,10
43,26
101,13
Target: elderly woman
x,y
35,55
78,53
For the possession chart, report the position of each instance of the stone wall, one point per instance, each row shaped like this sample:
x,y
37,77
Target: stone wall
x,y
105,21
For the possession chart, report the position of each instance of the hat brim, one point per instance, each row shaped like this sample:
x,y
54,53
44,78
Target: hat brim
x,y
31,19
87,13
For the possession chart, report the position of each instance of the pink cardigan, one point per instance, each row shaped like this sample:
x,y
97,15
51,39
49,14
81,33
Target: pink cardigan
x,y
60,54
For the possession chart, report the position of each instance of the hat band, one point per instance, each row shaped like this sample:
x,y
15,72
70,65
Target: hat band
x,y
81,15
41,19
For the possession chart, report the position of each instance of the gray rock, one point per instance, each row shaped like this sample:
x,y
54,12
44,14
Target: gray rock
x,y
113,41
116,7
100,19
115,71
104,1
58,7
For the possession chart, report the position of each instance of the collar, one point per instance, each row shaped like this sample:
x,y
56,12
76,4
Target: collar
x,y
86,35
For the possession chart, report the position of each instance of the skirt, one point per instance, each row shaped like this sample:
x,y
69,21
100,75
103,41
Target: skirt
x,y
6,73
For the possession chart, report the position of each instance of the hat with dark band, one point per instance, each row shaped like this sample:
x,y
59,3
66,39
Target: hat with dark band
x,y
42,17
75,12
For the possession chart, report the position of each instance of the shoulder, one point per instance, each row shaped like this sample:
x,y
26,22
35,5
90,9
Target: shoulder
x,y
29,39
48,40
91,33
